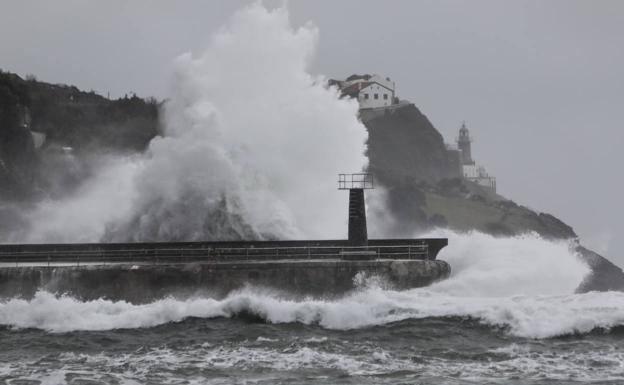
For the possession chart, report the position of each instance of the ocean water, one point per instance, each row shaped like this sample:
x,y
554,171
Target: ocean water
x,y
508,314
371,337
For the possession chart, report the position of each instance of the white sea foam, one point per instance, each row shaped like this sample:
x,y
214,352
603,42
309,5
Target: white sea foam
x,y
523,284
526,316
248,360
487,266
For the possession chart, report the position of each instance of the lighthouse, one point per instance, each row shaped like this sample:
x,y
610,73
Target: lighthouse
x,y
470,170
463,143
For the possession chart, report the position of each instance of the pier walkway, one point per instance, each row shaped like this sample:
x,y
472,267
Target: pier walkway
x,y
214,252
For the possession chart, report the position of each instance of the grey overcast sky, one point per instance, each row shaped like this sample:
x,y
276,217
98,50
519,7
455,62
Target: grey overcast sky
x,y
539,83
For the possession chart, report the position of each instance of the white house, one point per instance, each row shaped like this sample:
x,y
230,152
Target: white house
x,y
371,91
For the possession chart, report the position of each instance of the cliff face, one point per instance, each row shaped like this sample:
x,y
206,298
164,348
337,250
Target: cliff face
x,y
18,161
424,158
86,120
17,157
409,159
67,118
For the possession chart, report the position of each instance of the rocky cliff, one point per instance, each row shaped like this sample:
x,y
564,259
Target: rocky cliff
x,y
409,159
425,158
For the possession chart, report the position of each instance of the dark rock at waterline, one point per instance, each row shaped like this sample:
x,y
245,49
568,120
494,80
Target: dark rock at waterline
x,y
604,275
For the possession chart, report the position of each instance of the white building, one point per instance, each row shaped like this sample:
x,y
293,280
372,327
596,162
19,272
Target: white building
x,y
478,175
371,91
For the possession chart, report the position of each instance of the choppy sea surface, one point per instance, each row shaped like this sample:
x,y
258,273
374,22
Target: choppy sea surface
x,y
371,337
509,314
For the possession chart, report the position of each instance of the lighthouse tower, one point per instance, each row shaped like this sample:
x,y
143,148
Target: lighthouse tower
x,y
463,143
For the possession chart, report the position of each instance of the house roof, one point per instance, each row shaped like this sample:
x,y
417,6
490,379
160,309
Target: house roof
x,y
357,77
354,89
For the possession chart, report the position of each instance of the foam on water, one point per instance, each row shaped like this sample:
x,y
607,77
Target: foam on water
x,y
249,360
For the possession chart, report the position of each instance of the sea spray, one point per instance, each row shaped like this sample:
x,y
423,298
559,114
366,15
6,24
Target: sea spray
x,y
84,216
488,266
251,148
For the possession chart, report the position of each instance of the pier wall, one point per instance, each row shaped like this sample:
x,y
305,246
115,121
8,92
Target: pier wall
x,y
140,283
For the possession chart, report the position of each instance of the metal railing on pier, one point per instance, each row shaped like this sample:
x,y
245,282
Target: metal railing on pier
x,y
168,255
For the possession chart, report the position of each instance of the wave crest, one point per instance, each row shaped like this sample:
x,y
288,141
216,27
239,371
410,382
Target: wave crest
x,y
523,316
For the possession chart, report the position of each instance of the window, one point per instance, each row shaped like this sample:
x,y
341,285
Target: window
x,y
385,96
376,96
365,96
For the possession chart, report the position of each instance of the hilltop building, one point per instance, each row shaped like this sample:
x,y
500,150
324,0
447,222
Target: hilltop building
x,y
371,91
470,170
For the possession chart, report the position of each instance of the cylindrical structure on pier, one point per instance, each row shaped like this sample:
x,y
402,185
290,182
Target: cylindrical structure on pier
x,y
358,235
356,184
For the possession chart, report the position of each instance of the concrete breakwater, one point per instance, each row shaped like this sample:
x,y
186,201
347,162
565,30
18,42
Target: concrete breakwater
x,y
144,282
140,272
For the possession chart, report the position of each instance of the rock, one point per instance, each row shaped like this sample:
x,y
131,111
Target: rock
x,y
604,276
